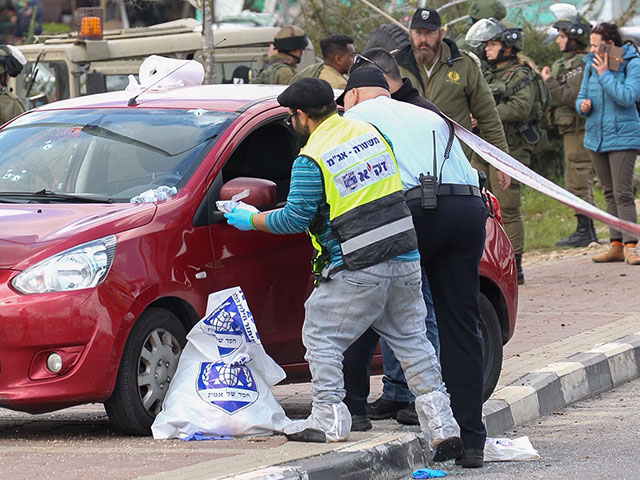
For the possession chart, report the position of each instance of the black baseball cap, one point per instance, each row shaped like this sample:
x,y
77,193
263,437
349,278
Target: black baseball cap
x,y
426,18
364,77
307,93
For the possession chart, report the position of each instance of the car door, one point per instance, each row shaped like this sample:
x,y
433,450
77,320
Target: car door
x,y
274,271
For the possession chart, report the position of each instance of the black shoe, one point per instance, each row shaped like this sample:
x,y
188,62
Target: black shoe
x,y
307,435
583,236
471,458
408,415
449,448
519,269
381,409
360,423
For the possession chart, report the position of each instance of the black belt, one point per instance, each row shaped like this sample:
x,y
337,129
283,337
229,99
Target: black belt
x,y
446,189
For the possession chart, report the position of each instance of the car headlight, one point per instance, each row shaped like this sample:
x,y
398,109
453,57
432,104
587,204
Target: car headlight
x,y
84,266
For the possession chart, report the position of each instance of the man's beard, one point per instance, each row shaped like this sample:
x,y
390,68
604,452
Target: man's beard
x,y
425,56
303,133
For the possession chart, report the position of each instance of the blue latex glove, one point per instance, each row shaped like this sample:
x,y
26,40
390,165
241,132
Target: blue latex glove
x,y
428,473
240,218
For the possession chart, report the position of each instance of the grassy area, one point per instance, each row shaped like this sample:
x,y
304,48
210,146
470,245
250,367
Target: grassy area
x,y
547,220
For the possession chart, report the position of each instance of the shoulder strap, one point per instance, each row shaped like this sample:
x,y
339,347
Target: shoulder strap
x,y
531,75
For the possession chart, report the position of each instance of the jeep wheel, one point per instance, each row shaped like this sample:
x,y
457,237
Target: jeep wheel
x,y
148,364
388,36
491,346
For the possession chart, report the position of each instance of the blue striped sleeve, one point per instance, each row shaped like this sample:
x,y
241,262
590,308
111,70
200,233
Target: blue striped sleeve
x,y
306,195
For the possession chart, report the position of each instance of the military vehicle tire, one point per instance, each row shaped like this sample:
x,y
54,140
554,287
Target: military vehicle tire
x,y
388,36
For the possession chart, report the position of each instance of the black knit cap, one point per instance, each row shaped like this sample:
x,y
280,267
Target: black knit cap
x,y
426,18
364,77
307,93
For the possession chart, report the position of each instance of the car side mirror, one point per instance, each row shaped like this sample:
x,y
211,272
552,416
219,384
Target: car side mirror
x,y
262,193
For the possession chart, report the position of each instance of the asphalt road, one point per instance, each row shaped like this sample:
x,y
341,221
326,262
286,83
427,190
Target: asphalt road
x,y
595,439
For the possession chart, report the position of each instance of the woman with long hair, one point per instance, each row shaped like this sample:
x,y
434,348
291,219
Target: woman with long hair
x,y
608,99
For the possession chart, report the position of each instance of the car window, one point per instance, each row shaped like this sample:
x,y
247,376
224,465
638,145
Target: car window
x,y
116,153
45,82
268,152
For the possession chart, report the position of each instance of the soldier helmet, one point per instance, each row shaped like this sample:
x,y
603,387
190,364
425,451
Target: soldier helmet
x,y
486,9
492,29
568,20
11,60
290,37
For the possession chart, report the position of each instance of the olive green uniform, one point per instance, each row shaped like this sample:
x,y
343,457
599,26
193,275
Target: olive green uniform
x,y
477,51
323,72
279,69
514,111
10,106
458,89
564,84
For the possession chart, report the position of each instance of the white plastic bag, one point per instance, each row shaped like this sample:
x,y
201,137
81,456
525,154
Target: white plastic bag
x,y
222,383
506,450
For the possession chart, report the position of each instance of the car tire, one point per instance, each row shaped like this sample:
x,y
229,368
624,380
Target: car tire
x,y
491,346
148,364
388,36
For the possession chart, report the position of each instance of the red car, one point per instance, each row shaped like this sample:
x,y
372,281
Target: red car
x,y
97,293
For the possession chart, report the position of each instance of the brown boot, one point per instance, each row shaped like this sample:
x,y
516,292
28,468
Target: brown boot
x,y
614,254
632,254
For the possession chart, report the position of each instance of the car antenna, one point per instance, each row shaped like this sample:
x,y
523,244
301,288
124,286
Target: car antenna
x,y
132,101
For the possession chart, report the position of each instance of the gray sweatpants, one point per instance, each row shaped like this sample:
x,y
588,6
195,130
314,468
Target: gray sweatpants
x,y
387,297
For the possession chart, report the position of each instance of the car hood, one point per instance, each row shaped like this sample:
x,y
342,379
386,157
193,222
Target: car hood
x,y
35,231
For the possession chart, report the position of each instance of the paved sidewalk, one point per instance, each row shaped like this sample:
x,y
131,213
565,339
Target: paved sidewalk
x,y
566,348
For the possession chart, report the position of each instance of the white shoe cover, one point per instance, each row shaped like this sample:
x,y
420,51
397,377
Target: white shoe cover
x,y
333,419
436,418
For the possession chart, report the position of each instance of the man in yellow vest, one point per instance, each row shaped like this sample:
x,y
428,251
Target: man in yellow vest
x,y
347,193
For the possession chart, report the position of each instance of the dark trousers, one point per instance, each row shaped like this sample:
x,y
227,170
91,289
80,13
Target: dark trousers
x,y
451,242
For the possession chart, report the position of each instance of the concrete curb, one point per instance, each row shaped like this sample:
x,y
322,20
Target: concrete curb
x,y
536,394
560,384
389,455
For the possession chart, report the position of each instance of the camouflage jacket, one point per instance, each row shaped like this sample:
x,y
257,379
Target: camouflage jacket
x,y
279,69
564,84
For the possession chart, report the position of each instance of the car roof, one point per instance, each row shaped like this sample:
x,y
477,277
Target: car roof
x,y
208,97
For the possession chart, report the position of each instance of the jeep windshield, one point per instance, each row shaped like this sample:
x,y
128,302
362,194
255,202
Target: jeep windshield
x,y
108,155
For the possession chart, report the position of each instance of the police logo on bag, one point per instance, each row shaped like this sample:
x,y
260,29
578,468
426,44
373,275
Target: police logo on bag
x,y
228,386
231,324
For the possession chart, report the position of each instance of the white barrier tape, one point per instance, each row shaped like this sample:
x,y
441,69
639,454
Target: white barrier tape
x,y
507,164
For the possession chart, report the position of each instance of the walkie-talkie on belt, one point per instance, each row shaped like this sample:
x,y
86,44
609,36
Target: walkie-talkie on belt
x,y
429,184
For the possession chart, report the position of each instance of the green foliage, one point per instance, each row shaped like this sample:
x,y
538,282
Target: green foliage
x,y
321,18
52,28
547,220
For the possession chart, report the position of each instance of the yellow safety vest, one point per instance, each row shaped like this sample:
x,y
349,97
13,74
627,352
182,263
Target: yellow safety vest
x,y
363,190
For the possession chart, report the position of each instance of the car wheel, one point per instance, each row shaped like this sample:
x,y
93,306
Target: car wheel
x,y
148,364
388,36
491,346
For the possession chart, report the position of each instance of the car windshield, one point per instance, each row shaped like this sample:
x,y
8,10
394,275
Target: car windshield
x,y
113,154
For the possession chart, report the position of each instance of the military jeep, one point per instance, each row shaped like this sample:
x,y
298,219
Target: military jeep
x,y
66,66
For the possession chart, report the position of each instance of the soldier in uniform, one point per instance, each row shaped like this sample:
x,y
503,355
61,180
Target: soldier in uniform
x,y
452,80
11,63
515,95
478,10
564,79
337,53
281,66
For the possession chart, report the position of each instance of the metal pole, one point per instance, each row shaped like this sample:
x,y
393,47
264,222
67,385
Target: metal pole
x,y
385,15
207,41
